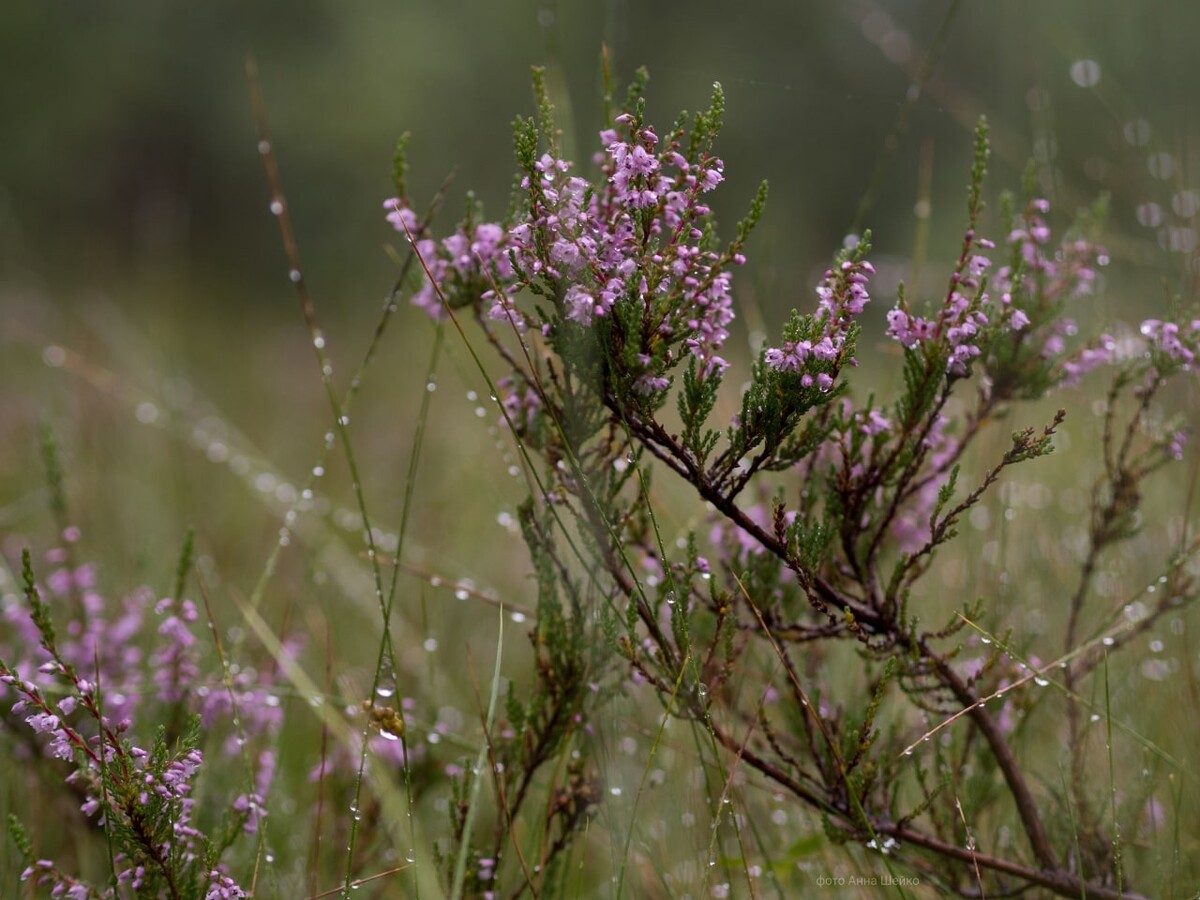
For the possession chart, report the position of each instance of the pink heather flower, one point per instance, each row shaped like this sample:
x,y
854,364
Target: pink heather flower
x,y
907,329
400,216
42,722
875,423
1165,337
977,265
580,305
712,176
960,358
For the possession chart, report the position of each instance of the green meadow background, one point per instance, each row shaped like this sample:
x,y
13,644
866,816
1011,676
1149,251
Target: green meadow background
x,y
146,317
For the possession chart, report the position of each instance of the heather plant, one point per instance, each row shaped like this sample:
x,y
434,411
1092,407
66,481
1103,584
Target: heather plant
x,y
792,629
607,301
112,701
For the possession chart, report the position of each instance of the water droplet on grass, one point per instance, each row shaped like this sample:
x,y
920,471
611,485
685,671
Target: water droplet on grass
x,y
1085,72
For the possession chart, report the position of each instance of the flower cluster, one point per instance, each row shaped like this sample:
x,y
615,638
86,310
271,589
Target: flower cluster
x,y
461,265
842,296
143,656
144,794
1174,344
634,250
1041,278
638,240
960,326
1067,272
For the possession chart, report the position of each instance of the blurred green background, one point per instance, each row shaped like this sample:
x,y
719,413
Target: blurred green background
x,y
145,313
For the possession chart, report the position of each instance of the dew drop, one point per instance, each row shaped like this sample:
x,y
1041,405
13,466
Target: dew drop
x,y
54,356
430,644
264,147
518,617
1040,682
319,342
276,208
1085,72
294,276
461,594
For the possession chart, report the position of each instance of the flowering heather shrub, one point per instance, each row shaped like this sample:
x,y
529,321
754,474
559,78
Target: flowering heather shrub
x,y
793,625
609,299
88,692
